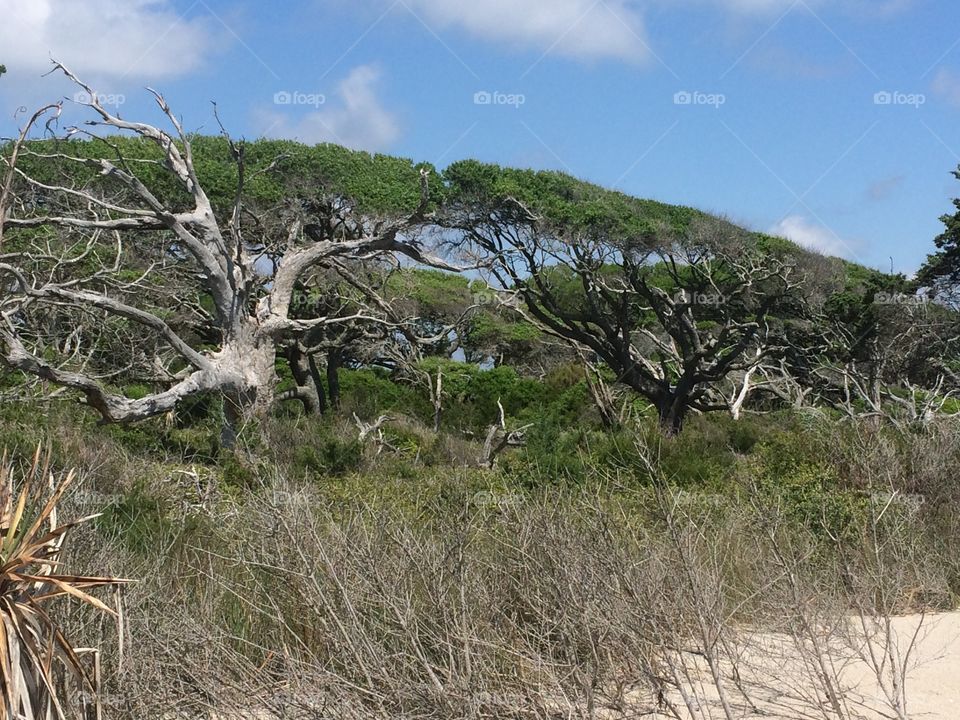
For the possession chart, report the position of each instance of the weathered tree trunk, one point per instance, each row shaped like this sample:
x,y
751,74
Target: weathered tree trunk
x,y
438,401
247,374
302,376
318,384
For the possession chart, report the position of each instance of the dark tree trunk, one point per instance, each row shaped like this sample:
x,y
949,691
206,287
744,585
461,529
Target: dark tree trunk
x,y
672,411
232,419
333,378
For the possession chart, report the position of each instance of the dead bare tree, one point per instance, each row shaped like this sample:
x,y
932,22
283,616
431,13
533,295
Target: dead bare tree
x,y
499,438
251,312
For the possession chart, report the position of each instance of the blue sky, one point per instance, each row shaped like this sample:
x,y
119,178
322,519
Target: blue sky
x,y
833,122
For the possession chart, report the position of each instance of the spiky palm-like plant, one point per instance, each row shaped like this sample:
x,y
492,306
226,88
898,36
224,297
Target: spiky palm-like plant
x,y
35,655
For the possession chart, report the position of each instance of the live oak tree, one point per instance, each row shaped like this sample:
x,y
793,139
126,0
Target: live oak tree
x,y
671,301
886,352
391,318
101,244
940,274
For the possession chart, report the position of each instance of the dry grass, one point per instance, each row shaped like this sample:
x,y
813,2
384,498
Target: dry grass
x,y
589,605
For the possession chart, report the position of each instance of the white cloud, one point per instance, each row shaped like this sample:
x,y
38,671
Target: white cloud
x,y
104,38
591,29
358,119
812,236
573,28
946,84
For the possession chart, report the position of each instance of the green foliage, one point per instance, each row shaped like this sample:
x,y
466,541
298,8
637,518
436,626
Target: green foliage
x,y
371,392
329,455
708,455
486,329
236,472
790,471
145,520
558,456
374,183
565,201
137,391
141,520
144,438
471,393
568,448
943,266
434,291
503,336
779,245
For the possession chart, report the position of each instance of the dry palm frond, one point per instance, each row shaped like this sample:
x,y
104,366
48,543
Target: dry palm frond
x,y
34,652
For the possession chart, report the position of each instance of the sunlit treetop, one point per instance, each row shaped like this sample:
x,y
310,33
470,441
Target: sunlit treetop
x,y
564,201
275,170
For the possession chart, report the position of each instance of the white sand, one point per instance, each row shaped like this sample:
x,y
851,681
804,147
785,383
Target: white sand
x,y
782,686
933,677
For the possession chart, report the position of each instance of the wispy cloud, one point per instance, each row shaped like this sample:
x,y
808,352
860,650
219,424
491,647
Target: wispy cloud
x,y
883,189
812,236
867,8
143,39
946,84
572,28
356,119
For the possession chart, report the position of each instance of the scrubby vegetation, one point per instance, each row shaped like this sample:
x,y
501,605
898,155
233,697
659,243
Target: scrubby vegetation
x,y
589,572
